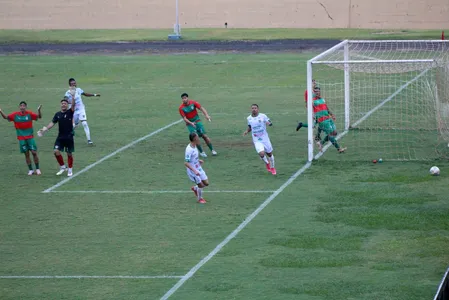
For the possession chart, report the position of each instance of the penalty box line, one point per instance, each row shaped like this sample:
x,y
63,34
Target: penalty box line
x,y
163,192
110,155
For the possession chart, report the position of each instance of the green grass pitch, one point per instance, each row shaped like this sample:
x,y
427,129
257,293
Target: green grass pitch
x,y
344,229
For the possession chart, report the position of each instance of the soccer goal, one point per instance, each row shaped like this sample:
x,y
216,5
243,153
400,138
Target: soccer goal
x,y
390,98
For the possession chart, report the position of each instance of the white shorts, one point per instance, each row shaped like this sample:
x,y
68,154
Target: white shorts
x,y
263,145
195,178
79,115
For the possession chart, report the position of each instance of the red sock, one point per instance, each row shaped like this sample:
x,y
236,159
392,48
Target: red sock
x,y
60,159
70,159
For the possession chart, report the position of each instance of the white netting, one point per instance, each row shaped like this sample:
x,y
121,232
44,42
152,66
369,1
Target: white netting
x,y
398,104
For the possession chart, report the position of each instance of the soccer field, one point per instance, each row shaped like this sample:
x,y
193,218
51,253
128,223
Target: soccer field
x,y
127,226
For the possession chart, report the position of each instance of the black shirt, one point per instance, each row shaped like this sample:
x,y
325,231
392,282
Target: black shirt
x,y
65,120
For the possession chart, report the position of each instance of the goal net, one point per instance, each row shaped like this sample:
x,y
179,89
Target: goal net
x,y
390,99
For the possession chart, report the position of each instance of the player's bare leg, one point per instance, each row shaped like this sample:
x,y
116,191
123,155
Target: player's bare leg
x,y
265,160
60,160
209,144
36,162
199,191
271,159
28,161
319,143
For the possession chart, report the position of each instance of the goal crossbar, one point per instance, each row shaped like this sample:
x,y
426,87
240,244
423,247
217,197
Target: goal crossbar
x,y
373,61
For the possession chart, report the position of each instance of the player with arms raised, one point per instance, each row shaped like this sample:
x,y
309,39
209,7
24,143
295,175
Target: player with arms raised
x,y
188,111
64,141
257,124
23,122
74,96
194,167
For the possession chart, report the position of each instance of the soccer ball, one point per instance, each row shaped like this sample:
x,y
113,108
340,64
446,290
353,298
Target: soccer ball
x,y
434,171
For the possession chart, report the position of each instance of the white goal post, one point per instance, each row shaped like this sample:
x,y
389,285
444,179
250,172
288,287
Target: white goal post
x,y
390,98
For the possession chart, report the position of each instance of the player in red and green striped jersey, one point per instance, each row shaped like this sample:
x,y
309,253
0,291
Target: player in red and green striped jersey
x,y
188,112
303,124
325,120
23,122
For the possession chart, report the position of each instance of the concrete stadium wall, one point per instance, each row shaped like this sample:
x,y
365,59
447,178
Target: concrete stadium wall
x,y
106,14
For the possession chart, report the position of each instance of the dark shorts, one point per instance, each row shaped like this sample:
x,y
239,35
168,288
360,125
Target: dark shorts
x,y
66,144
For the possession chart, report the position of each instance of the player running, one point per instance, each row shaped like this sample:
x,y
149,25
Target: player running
x,y
325,119
23,122
257,124
64,141
194,167
75,92
188,111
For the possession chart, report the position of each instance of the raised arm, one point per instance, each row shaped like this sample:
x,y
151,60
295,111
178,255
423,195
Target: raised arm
x,y
39,113
3,114
90,95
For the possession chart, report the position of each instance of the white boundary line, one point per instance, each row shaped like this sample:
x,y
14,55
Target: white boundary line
x,y
159,62
158,192
110,155
269,199
442,283
234,233
146,88
87,276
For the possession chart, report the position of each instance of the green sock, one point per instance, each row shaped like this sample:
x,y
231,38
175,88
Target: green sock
x,y
318,135
305,125
37,165
30,167
200,149
334,142
210,146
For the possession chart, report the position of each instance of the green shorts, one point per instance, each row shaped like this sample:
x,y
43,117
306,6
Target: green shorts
x,y
199,129
327,126
27,145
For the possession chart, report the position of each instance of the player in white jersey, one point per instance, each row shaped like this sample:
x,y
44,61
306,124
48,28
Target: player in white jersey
x,y
257,124
73,95
194,167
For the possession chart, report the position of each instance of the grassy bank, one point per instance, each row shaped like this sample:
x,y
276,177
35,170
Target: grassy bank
x,y
141,35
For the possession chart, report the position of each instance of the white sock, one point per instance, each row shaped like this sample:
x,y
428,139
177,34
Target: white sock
x,y
264,159
86,129
272,161
200,193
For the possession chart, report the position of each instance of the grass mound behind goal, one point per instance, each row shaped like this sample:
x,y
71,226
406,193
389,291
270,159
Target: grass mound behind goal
x,y
391,98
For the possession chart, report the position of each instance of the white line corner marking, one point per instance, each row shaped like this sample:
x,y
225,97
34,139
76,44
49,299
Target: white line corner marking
x,y
110,155
234,233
